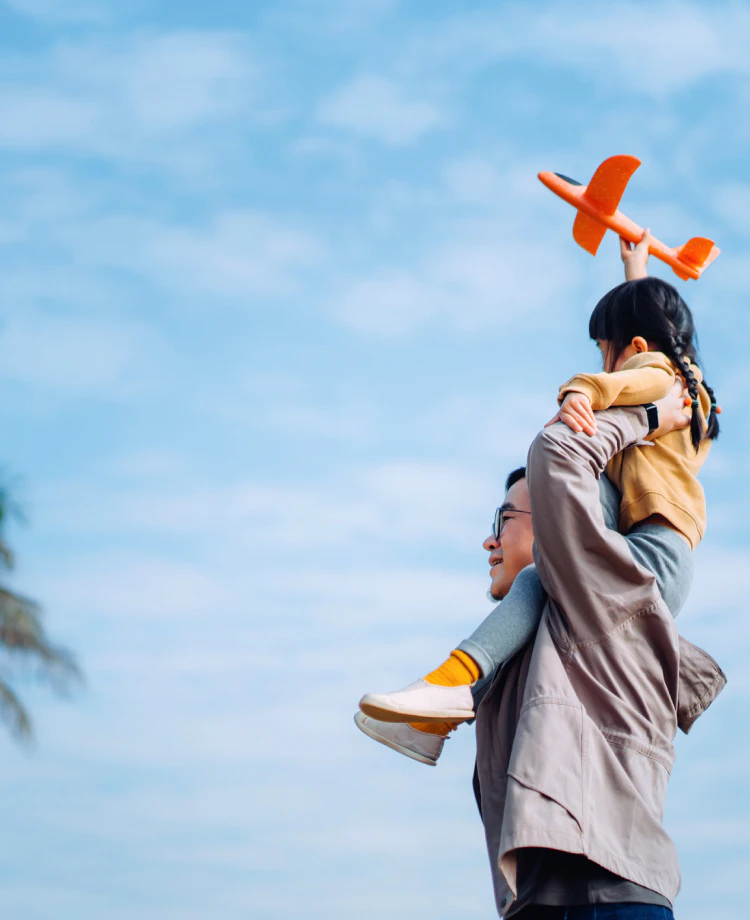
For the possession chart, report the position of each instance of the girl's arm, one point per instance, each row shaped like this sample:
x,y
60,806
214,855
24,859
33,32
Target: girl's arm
x,y
644,378
635,258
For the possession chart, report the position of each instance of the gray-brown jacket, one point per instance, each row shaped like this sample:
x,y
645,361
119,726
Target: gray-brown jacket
x,y
574,740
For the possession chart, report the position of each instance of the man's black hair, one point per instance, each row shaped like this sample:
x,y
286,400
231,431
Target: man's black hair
x,y
514,477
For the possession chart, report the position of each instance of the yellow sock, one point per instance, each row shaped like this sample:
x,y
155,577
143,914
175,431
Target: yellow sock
x,y
459,668
434,728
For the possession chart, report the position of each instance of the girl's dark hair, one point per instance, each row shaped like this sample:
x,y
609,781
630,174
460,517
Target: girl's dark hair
x,y
653,309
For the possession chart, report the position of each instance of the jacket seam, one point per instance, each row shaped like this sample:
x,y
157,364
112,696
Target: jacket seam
x,y
639,748
588,643
698,706
547,700
682,508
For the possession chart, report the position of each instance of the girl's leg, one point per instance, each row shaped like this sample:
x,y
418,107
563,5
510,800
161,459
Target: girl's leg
x,y
513,622
510,625
668,556
660,550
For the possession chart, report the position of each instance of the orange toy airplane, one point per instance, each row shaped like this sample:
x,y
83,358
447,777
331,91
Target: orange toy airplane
x,y
597,212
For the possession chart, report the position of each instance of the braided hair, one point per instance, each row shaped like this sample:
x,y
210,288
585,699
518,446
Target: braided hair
x,y
653,309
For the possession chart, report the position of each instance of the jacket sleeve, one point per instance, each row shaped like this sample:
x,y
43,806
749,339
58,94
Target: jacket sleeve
x,y
647,380
586,569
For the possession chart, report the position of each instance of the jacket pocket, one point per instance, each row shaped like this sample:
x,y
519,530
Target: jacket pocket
x,y
548,753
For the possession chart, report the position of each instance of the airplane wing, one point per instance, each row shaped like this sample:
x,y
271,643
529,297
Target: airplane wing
x,y
588,232
609,182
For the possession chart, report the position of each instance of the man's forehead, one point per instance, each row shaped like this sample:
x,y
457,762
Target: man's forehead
x,y
517,496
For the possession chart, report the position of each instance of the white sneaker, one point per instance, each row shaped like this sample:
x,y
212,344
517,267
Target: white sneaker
x,y
403,738
420,702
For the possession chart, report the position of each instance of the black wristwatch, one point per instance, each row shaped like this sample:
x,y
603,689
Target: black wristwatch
x,y
652,413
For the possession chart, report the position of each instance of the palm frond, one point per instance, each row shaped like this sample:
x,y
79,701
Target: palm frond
x,y
22,633
7,559
13,713
9,506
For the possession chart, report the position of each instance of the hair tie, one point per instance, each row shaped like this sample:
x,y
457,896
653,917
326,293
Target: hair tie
x,y
695,404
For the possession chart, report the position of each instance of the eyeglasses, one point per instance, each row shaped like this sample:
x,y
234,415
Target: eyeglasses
x,y
501,516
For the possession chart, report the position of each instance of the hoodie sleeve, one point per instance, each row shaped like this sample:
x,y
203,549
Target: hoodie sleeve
x,y
644,378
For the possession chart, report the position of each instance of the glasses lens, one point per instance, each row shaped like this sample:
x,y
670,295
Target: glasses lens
x,y
498,528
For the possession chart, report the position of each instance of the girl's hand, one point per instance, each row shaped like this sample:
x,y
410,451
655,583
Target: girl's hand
x,y
577,413
635,257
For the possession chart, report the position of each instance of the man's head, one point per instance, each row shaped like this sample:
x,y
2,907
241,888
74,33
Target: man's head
x,y
512,551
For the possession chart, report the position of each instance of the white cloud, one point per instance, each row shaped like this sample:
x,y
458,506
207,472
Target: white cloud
x,y
683,43
390,302
132,588
175,81
72,353
481,251
285,403
475,180
376,107
467,286
398,501
240,253
732,202
33,118
131,98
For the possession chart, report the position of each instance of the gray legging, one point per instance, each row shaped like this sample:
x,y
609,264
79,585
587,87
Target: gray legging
x,y
513,622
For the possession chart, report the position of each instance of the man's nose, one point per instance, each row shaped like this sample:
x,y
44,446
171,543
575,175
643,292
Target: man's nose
x,y
491,543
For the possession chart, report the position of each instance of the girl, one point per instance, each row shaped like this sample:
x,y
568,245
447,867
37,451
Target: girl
x,y
646,335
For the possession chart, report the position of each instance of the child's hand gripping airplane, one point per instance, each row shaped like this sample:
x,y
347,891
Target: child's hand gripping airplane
x,y
597,212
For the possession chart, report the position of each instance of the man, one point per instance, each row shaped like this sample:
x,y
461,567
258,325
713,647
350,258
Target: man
x,y
574,740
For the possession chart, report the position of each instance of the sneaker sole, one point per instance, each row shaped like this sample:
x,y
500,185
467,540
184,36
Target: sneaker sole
x,y
394,746
378,710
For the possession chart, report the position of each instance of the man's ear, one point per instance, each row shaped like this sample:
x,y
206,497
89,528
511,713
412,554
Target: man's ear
x,y
640,344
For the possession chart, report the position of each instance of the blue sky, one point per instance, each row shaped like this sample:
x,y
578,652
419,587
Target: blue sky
x,y
283,302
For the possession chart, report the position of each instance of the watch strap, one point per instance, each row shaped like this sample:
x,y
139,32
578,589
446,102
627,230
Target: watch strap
x,y
652,414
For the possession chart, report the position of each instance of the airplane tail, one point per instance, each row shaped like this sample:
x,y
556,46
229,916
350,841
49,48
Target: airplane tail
x,y
698,253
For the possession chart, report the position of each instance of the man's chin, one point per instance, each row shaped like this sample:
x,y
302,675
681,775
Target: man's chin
x,y
495,598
